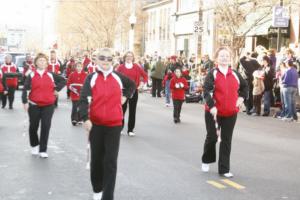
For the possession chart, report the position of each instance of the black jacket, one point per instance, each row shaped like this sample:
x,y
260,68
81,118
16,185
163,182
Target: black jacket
x,y
269,79
249,66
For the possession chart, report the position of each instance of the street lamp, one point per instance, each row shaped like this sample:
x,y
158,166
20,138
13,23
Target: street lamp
x,y
132,21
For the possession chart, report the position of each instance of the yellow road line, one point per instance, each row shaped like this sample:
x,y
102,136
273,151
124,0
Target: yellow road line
x,y
233,184
216,184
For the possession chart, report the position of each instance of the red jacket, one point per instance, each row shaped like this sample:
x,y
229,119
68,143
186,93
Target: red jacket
x,y
167,77
135,73
1,84
42,88
27,66
223,91
86,62
178,93
54,67
105,108
91,68
70,67
75,83
10,68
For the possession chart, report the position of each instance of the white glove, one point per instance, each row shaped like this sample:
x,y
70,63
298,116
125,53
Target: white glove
x,y
239,102
123,100
214,112
177,85
181,85
87,125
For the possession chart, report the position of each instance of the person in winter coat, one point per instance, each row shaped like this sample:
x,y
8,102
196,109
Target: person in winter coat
x,y
224,93
178,86
39,104
268,83
290,89
11,82
157,75
135,73
103,120
74,84
166,85
258,90
248,66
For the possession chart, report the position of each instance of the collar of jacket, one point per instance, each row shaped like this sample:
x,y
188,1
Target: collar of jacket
x,y
228,72
105,73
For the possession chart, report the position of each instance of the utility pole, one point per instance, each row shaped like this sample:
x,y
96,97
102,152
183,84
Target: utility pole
x,y
279,33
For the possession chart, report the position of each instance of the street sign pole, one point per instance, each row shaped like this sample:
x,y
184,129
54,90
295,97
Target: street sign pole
x,y
279,33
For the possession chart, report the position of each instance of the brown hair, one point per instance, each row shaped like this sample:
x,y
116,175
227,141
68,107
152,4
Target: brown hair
x,y
38,56
125,55
221,49
289,51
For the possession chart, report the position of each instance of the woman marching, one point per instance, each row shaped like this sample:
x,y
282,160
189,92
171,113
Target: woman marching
x,y
224,92
11,82
135,73
43,87
103,120
75,83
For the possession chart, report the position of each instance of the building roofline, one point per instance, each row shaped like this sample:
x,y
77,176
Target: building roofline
x,y
157,4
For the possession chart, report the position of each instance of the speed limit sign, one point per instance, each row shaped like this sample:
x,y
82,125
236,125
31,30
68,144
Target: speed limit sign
x,y
198,27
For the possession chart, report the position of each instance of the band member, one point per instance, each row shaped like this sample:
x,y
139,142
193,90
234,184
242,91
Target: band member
x,y
11,82
43,86
103,120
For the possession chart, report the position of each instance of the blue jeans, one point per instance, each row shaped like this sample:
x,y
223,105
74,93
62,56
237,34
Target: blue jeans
x,y
267,101
168,91
289,95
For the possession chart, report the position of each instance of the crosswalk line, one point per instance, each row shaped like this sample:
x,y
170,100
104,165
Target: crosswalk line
x,y
233,184
216,184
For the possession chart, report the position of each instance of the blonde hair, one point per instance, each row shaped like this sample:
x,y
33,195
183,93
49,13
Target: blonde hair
x,y
38,56
126,54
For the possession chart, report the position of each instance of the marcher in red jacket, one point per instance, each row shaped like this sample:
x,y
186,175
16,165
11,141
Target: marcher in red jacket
x,y
11,82
75,83
2,86
103,120
178,87
135,73
70,68
224,91
43,87
54,66
28,66
91,67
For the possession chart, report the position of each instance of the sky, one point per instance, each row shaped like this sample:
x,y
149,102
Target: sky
x,y
27,14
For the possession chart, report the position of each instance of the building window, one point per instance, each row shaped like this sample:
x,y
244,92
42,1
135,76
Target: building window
x,y
187,5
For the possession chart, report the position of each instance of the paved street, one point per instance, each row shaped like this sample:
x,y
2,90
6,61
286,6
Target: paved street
x,y
161,163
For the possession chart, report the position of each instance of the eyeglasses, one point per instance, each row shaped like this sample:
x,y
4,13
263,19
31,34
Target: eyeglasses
x,y
104,58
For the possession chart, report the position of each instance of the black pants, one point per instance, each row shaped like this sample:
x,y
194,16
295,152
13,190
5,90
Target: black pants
x,y
75,111
177,104
156,87
249,101
209,155
132,111
10,96
105,142
257,103
56,101
37,114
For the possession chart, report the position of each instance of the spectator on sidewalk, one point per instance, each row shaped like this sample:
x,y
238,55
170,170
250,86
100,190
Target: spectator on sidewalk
x,y
258,90
248,66
290,89
268,83
157,75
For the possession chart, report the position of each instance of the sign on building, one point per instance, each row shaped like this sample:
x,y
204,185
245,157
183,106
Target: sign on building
x,y
280,17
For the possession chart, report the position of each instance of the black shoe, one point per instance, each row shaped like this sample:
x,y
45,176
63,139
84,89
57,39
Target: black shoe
x,y
74,122
10,108
175,121
249,113
265,115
